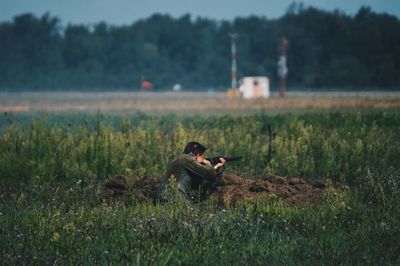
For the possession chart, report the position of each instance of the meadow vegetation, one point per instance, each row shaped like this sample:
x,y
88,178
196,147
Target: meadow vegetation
x,y
51,168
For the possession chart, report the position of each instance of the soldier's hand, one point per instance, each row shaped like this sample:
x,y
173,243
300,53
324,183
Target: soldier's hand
x,y
220,164
206,162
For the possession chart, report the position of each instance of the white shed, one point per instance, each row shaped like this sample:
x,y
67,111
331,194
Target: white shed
x,y
254,87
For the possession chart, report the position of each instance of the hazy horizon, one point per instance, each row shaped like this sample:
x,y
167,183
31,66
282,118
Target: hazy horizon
x,y
126,12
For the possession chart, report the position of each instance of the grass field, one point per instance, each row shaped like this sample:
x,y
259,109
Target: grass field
x,y
53,163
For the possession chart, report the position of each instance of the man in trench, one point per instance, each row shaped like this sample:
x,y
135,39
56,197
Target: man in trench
x,y
190,178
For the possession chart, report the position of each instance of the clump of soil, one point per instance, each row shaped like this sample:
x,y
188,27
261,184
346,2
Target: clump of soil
x,y
230,189
130,188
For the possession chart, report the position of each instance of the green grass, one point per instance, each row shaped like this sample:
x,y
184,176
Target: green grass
x,y
66,227
50,172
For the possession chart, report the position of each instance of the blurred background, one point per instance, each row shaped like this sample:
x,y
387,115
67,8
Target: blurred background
x,y
185,46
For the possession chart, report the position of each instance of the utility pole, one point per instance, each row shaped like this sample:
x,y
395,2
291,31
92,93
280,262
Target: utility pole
x,y
234,67
282,68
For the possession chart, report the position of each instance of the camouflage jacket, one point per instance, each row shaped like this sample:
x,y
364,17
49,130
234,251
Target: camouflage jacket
x,y
193,179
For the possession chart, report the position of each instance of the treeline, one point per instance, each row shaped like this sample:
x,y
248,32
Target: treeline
x,y
326,50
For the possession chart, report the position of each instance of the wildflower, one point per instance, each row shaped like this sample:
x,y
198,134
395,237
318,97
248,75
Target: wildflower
x,y
69,226
55,237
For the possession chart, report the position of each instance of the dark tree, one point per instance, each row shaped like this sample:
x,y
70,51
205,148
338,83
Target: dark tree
x,y
326,50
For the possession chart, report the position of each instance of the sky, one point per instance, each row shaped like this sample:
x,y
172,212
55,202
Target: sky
x,y
125,12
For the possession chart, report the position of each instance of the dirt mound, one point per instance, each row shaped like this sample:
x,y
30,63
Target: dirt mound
x,y
230,189
130,188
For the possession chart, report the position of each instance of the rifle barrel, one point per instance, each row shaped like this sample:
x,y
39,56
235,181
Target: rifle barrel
x,y
215,160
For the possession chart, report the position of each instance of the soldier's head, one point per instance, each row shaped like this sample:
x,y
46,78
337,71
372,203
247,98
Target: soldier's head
x,y
195,149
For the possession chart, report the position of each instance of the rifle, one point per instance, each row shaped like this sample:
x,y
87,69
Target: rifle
x,y
215,160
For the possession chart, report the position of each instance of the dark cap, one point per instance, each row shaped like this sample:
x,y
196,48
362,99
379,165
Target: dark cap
x,y
194,148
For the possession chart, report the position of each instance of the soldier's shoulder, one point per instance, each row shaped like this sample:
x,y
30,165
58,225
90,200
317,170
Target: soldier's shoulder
x,y
184,158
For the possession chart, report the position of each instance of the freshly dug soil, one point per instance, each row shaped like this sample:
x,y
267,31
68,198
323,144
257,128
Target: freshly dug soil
x,y
130,188
230,189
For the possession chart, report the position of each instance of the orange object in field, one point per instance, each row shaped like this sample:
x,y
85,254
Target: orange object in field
x,y
145,84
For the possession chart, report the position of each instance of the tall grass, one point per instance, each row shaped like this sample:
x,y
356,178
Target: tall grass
x,y
68,226
333,146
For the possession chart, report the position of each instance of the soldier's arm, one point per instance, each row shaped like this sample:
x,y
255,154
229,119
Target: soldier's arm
x,y
205,171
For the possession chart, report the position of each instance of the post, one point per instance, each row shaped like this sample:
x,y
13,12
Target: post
x,y
234,67
282,68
